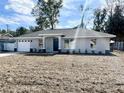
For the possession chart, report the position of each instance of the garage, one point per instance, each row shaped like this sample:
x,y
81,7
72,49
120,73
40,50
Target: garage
x,y
24,46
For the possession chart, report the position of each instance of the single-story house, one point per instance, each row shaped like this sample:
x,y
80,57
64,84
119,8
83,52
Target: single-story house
x,y
64,41
7,42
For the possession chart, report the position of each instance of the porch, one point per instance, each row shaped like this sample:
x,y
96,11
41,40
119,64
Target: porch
x,y
45,43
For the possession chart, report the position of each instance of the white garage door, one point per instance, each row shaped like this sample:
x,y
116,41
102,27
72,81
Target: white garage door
x,y
23,46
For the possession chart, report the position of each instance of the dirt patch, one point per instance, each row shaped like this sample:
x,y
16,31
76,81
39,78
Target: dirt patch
x,y
62,74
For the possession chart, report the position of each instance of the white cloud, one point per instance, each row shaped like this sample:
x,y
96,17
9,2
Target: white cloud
x,y
70,4
7,21
24,19
20,6
18,20
70,8
69,24
22,12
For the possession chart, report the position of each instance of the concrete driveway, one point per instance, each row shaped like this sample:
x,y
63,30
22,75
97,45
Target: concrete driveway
x,y
6,54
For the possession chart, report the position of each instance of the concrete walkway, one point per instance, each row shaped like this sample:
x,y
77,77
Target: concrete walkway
x,y
6,54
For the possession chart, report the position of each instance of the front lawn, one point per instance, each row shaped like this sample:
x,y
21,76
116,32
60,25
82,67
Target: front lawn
x,y
62,74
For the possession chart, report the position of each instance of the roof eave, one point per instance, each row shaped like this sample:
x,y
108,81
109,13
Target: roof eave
x,y
92,37
16,38
50,34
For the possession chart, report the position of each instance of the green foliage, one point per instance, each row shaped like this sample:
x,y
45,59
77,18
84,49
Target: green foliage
x,y
3,31
115,22
47,13
111,22
34,29
99,20
21,31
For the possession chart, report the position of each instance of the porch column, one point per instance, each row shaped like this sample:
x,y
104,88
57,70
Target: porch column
x,y
44,45
60,42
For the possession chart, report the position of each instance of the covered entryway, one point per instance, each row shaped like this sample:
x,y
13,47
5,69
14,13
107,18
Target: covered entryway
x,y
55,44
24,46
51,42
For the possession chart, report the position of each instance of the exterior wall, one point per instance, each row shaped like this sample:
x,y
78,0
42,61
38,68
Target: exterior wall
x,y
103,44
48,44
83,46
35,44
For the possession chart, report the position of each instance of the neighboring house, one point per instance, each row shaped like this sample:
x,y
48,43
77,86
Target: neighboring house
x,y
6,42
64,41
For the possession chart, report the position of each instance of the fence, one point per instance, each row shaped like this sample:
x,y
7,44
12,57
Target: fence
x,y
119,45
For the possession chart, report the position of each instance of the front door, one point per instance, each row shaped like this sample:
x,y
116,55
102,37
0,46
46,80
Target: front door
x,y
55,44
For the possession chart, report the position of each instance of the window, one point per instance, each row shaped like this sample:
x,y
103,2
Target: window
x,y
71,40
93,43
67,43
40,43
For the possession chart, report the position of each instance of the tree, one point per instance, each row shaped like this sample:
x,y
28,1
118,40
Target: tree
x,y
3,31
32,29
21,31
115,23
47,13
85,10
99,20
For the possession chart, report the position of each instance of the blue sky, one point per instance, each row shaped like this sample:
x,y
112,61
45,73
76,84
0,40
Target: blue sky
x,y
17,13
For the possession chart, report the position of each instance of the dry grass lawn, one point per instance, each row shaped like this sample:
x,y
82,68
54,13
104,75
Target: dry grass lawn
x,y
62,74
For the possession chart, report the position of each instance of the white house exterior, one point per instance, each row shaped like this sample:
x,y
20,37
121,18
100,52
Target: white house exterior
x,y
64,41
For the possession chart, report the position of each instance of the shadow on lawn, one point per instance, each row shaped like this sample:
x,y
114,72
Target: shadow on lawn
x,y
38,54
112,55
53,54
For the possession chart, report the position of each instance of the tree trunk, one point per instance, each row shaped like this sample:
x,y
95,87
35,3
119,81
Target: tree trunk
x,y
52,26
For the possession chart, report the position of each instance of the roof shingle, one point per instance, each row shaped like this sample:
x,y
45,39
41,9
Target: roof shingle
x,y
70,33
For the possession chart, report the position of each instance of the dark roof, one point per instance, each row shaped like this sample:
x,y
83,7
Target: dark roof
x,y
70,33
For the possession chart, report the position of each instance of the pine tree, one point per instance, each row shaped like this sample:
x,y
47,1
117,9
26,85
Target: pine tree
x,y
115,23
